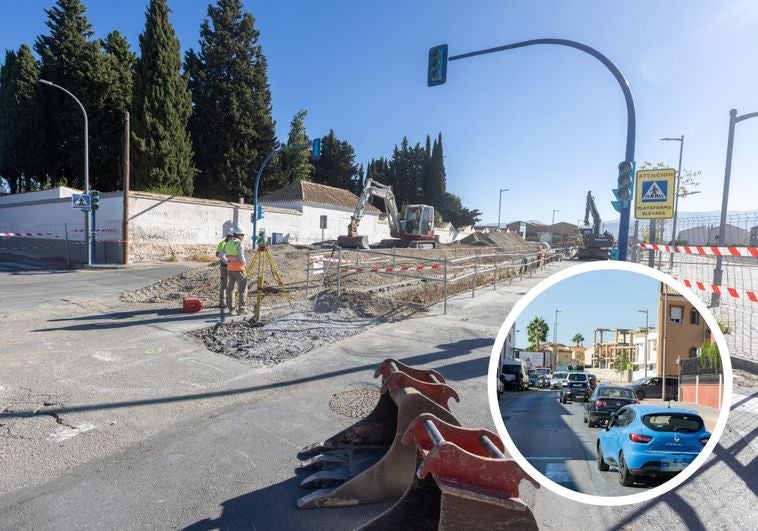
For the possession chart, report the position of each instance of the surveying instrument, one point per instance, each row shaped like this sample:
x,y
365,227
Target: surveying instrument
x,y
263,257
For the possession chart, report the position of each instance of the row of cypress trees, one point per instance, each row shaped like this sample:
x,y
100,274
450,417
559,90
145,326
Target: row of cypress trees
x,y
199,127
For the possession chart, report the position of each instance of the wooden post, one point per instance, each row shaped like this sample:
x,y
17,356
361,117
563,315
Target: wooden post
x,y
125,222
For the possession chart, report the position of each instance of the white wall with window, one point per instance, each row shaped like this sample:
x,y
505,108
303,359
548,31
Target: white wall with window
x,y
638,363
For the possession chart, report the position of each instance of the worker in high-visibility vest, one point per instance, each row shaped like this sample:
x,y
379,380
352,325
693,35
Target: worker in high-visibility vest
x,y
234,254
222,268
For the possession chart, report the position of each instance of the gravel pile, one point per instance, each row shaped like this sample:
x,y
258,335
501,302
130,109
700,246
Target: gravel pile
x,y
283,335
356,402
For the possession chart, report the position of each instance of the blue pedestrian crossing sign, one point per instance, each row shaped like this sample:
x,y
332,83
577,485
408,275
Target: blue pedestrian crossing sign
x,y
655,194
81,201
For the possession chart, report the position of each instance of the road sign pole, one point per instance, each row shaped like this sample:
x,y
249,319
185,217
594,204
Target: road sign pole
x,y
94,236
715,298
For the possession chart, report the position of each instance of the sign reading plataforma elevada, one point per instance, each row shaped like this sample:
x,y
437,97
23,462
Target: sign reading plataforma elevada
x,y
654,194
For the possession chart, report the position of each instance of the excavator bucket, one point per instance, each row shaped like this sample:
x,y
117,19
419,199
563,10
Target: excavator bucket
x,y
463,482
367,462
353,242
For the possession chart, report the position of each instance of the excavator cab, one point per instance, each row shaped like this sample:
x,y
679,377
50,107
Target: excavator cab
x,y
419,220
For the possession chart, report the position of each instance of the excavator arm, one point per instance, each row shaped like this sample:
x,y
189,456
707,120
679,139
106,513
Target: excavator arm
x,y
592,209
382,191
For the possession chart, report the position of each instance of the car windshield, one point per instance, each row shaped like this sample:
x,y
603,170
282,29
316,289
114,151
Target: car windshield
x,y
577,377
559,375
679,422
616,393
511,369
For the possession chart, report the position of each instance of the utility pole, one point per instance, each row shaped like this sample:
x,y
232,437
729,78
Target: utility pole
x,y
646,332
125,222
552,222
555,338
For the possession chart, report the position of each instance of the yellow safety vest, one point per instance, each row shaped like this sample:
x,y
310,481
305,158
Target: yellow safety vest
x,y
232,252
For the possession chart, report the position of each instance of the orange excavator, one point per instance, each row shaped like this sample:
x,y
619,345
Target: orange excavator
x,y
416,230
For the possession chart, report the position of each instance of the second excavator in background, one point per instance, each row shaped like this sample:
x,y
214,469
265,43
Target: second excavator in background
x,y
416,230
595,246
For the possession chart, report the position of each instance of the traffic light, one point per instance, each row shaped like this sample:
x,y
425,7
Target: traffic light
x,y
95,199
625,185
261,211
316,148
437,72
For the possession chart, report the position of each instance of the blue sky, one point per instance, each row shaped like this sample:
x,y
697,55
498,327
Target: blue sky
x,y
547,122
597,299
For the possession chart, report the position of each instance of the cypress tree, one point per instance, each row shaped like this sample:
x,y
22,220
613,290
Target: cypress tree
x,y
72,60
232,128
9,167
296,165
161,107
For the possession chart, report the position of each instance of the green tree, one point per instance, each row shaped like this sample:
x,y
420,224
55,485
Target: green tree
x,y
161,107
296,165
578,338
20,146
536,332
336,166
69,58
119,61
451,209
622,363
436,182
232,128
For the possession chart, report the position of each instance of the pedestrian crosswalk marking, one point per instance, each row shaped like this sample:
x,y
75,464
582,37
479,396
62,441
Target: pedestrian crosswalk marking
x,y
654,192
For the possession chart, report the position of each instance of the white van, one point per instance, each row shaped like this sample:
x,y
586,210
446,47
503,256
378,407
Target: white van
x,y
513,376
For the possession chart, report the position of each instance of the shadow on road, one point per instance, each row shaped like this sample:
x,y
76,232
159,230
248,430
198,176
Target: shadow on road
x,y
126,319
265,509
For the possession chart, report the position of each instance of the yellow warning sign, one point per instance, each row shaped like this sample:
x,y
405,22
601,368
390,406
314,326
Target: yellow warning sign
x,y
654,194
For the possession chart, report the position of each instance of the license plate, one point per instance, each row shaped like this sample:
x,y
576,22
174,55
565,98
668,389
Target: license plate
x,y
673,465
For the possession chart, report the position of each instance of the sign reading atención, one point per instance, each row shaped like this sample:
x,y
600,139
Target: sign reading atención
x,y
654,194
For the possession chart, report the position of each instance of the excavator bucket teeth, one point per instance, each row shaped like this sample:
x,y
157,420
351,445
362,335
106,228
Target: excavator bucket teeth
x,y
326,478
353,242
388,478
342,456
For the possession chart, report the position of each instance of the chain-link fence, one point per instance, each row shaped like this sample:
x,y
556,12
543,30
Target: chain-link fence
x,y
733,300
59,245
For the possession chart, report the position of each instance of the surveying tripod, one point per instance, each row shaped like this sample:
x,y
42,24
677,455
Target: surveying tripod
x,y
261,258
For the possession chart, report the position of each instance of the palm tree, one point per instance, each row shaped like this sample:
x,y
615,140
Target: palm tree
x,y
578,338
536,331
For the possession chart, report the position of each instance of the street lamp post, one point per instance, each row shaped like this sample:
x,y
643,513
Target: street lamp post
x,y
646,332
499,203
86,166
733,119
678,183
555,338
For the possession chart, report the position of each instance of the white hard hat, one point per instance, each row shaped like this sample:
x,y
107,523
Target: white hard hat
x,y
229,232
239,230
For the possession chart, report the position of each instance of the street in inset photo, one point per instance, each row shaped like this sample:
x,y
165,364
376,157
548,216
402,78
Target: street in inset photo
x,y
610,382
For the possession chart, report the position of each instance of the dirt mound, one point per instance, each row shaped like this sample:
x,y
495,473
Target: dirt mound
x,y
509,241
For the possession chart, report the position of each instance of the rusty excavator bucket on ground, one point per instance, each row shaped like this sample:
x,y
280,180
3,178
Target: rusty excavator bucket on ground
x,y
367,462
463,482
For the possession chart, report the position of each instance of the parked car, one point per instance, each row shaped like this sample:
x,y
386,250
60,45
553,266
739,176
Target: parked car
x,y
650,441
651,388
574,391
534,378
514,376
605,401
544,382
556,382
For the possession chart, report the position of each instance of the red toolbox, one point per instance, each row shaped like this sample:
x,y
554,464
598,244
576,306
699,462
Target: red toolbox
x,y
192,304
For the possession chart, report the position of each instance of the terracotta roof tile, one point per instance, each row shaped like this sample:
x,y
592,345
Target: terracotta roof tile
x,y
320,194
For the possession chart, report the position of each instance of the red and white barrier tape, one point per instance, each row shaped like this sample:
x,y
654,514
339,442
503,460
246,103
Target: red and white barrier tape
x,y
704,250
388,269
28,234
98,230
735,293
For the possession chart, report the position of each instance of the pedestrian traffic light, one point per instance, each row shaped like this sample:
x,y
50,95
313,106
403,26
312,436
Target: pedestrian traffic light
x,y
625,186
316,148
437,72
261,211
94,199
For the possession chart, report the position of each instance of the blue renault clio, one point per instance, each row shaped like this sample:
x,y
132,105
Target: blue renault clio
x,y
650,441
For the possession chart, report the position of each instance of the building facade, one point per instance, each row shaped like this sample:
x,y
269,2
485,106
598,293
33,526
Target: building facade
x,y
682,330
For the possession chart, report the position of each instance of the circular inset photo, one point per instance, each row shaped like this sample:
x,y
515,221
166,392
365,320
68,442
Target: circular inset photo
x,y
610,383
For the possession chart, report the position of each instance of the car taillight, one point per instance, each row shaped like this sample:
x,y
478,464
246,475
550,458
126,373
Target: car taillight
x,y
601,403
636,437
704,440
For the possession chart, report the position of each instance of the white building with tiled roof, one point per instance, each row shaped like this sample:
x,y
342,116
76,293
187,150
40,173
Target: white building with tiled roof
x,y
326,213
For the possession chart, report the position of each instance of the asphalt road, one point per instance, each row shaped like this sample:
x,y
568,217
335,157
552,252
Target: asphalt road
x,y
555,440
156,432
